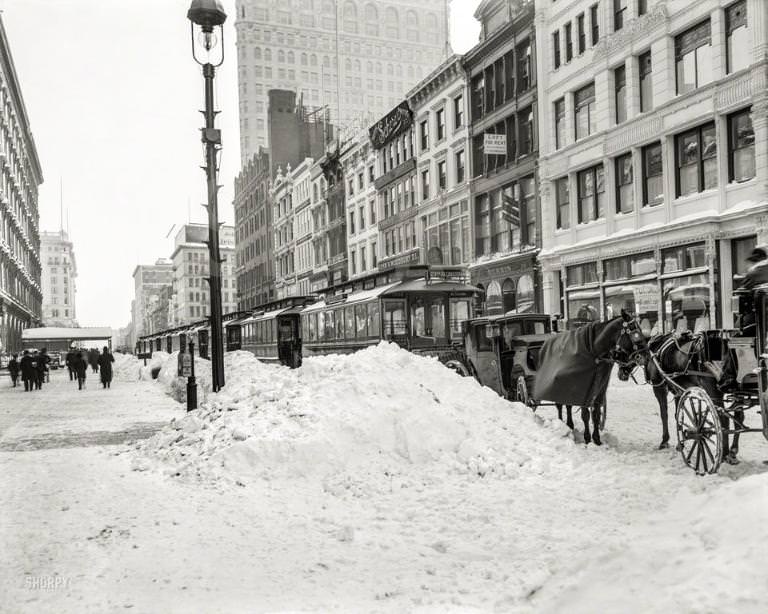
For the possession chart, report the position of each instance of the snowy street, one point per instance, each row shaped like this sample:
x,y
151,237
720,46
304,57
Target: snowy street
x,y
374,482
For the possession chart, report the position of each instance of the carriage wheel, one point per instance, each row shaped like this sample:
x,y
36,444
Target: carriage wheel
x,y
521,391
699,434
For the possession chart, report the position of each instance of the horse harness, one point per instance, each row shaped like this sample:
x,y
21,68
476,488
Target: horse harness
x,y
657,358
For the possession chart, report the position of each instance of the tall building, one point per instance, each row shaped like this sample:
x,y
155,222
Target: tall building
x,y
356,57
654,166
58,277
20,176
501,76
149,281
188,294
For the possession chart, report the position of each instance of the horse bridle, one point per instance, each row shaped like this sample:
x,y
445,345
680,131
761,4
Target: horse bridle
x,y
637,356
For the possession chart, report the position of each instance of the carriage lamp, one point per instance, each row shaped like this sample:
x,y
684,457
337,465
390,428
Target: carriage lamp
x,y
208,17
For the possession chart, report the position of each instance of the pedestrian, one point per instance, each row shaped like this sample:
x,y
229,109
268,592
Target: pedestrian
x,y
27,371
33,384
13,369
93,359
42,368
105,367
81,370
69,362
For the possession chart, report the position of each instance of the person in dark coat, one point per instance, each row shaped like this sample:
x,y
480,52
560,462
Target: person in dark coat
x,y
13,369
105,367
93,359
69,362
42,368
27,371
80,366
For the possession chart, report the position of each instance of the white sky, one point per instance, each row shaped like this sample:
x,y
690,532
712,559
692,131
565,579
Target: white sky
x,y
112,94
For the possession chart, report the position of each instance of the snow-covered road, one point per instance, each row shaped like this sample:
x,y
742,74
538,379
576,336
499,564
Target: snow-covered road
x,y
354,484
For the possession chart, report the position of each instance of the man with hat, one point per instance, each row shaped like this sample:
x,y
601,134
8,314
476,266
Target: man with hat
x,y
757,273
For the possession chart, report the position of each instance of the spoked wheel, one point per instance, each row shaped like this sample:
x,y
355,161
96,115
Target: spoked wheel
x,y
699,433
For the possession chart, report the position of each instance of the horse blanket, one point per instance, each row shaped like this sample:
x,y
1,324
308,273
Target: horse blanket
x,y
568,370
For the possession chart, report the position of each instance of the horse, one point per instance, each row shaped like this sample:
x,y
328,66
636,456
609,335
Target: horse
x,y
682,360
617,341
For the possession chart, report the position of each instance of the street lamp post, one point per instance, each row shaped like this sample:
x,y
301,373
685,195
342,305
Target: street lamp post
x,y
209,16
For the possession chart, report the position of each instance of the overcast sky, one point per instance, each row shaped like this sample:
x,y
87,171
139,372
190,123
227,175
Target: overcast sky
x,y
113,95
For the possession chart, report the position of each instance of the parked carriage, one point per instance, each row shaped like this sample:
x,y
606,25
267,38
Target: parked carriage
x,y
706,415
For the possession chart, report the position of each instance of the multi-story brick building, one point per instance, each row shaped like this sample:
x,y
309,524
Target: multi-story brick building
x,y
190,294
58,277
302,225
654,167
150,281
356,58
392,138
501,73
359,163
281,196
442,150
20,176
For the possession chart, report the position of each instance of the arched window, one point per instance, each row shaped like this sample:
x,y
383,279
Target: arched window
x,y
350,17
358,66
326,61
371,20
392,22
412,26
290,57
268,55
303,59
508,295
525,294
378,68
390,70
329,15
369,67
348,65
280,56
257,53
313,60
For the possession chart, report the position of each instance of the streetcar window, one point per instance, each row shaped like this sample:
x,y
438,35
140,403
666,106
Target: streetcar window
x,y
340,324
349,319
458,314
394,317
418,319
361,317
320,332
437,317
330,326
374,320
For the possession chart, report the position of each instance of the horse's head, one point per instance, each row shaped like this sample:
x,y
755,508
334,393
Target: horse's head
x,y
631,349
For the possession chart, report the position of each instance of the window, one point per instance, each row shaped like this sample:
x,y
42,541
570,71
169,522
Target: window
x,y
556,48
363,264
478,95
568,42
458,112
619,12
620,97
581,33
440,124
361,217
562,203
525,131
646,82
737,36
625,198
371,174
351,222
372,209
594,23
441,176
591,185
559,123
642,7
584,111
425,184
360,181
523,52
424,132
741,146
693,58
696,160
460,167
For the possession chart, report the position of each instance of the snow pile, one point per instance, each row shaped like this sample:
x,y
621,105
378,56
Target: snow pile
x,y
381,410
156,362
127,367
704,553
176,386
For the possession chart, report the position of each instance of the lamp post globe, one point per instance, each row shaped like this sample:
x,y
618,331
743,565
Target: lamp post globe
x,y
206,13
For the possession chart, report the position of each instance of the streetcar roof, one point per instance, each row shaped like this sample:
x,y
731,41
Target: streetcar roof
x,y
355,297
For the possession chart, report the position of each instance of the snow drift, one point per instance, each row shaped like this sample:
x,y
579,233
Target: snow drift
x,y
127,367
381,409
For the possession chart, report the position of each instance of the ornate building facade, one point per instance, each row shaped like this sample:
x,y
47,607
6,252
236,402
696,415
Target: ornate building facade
x,y
20,176
654,156
355,57
58,279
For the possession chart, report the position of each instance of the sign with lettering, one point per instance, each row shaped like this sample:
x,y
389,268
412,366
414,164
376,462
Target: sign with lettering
x,y
185,364
392,125
495,144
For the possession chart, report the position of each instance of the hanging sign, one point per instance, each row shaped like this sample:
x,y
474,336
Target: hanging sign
x,y
495,144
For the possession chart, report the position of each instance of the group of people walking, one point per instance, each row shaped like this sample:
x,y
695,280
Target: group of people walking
x,y
77,362
33,368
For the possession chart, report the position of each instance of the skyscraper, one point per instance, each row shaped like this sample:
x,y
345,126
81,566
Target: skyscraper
x,y
357,57
58,277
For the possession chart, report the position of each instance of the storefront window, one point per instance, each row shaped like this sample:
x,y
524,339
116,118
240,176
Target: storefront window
x,y
684,258
361,316
627,267
581,274
394,317
508,295
583,306
374,326
525,294
686,303
349,322
741,250
639,300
